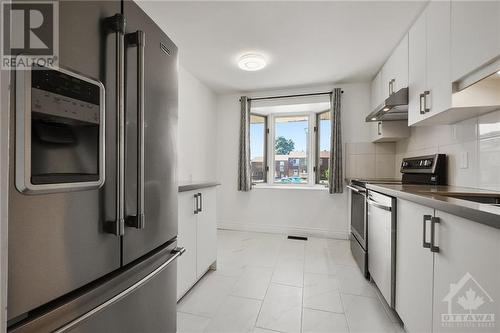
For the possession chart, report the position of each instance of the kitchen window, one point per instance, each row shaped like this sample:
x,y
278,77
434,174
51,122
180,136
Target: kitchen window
x,y
258,148
291,149
290,143
323,146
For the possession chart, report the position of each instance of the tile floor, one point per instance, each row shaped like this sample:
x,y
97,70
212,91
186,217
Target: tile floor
x,y
265,283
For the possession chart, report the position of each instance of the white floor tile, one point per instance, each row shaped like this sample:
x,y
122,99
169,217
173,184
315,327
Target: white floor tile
x,y
262,330
339,252
206,297
282,309
366,314
321,292
289,272
317,260
253,282
265,283
236,315
353,282
315,321
189,323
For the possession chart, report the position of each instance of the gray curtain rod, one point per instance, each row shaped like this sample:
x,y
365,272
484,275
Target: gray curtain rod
x,y
288,96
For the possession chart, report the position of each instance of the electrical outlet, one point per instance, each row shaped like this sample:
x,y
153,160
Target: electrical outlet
x,y
464,160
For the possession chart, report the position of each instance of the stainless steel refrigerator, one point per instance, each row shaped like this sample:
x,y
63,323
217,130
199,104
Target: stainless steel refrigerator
x,y
93,181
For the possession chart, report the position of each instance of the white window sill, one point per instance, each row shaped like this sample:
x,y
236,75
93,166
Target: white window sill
x,y
291,187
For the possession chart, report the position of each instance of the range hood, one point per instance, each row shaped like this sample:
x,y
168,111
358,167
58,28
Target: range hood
x,y
394,108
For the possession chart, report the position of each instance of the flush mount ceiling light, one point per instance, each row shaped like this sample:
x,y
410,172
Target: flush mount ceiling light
x,y
251,62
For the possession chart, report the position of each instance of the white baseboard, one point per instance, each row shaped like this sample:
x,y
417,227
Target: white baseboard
x,y
275,229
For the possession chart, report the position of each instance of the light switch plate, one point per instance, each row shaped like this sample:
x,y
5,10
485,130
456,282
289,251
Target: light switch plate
x,y
464,160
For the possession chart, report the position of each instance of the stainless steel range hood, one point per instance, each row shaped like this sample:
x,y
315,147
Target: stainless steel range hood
x,y
394,108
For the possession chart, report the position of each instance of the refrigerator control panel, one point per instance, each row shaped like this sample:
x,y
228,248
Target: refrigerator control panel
x,y
59,131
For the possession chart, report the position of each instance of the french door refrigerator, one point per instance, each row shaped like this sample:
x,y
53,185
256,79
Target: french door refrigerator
x,y
93,183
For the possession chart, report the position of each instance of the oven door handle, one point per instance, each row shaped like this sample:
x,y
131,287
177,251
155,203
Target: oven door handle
x,y
376,204
356,189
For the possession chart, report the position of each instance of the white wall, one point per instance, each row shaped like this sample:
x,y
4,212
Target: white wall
x,y
477,140
297,211
197,130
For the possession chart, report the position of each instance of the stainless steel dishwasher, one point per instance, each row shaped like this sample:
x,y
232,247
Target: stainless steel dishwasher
x,y
382,236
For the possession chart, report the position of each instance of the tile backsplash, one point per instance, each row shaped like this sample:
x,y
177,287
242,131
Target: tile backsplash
x,y
370,160
472,146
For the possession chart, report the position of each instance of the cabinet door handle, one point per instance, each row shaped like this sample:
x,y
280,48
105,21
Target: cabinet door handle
x,y
426,93
390,83
379,130
391,86
200,202
434,247
422,102
196,200
426,219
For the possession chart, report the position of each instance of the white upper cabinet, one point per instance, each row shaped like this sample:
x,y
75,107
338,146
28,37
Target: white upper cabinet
x,y
475,37
417,78
438,57
430,85
392,76
377,97
395,70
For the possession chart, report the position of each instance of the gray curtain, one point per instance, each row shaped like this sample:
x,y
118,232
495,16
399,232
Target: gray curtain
x,y
244,167
336,183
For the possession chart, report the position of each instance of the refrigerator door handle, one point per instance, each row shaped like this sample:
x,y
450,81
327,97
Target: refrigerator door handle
x,y
178,251
138,39
116,24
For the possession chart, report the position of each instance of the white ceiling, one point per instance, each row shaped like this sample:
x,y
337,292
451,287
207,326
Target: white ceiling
x,y
306,42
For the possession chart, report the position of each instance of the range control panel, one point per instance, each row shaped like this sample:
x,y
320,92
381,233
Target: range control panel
x,y
423,164
430,169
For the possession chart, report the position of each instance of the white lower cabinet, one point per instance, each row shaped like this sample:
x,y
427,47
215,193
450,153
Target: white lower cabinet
x,y
198,235
466,274
413,268
206,235
456,273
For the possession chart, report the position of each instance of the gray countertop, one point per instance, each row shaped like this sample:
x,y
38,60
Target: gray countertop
x,y
428,195
196,185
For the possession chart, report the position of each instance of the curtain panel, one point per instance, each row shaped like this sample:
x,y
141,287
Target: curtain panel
x,y
244,167
336,183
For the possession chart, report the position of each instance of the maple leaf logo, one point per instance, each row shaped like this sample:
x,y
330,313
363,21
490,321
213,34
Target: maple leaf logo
x,y
470,301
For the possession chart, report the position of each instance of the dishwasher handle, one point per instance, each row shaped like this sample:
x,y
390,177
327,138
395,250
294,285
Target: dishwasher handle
x,y
378,205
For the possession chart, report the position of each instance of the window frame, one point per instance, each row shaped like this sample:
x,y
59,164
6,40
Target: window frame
x,y
265,148
311,181
317,130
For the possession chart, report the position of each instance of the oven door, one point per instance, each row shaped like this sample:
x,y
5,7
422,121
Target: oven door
x,y
358,214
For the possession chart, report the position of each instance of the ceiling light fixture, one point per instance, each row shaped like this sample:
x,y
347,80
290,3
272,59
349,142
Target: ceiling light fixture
x,y
251,62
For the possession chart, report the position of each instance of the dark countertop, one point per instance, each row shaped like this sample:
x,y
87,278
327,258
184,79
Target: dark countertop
x,y
429,196
196,185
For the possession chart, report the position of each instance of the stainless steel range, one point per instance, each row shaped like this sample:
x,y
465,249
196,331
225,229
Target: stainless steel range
x,y
429,170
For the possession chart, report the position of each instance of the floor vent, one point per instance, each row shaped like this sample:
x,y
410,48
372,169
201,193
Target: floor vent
x,y
297,238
